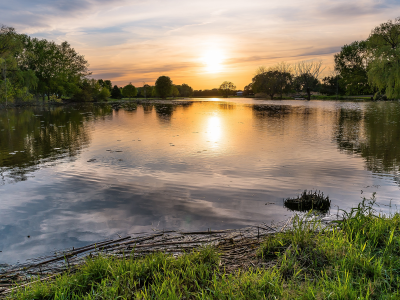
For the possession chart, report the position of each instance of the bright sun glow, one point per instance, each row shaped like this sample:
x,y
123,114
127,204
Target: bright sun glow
x,y
213,60
214,129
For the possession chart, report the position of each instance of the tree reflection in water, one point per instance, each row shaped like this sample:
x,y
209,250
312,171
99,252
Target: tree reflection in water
x,y
33,138
373,133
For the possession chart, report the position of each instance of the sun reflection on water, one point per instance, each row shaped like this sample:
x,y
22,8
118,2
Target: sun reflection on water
x,y
214,129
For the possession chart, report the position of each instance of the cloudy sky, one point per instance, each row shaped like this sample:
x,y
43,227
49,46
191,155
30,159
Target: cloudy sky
x,y
201,43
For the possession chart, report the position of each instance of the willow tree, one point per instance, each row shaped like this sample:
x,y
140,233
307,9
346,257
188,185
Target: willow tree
x,y
384,69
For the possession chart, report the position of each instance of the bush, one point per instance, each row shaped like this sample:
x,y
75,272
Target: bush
x,y
104,94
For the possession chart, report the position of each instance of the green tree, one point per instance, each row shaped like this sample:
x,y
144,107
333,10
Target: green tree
x,y
146,91
59,68
352,65
174,91
185,90
248,89
384,69
85,91
17,81
271,82
307,74
266,82
154,92
116,92
227,88
331,85
163,86
108,85
129,91
104,94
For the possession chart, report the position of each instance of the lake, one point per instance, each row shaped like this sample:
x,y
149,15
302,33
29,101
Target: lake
x,y
73,175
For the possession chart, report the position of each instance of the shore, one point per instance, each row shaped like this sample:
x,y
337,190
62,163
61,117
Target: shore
x,y
304,258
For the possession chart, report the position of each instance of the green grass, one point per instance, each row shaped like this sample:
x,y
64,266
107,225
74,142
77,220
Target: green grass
x,y
357,258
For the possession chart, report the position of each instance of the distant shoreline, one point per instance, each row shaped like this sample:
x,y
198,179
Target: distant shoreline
x,y
180,100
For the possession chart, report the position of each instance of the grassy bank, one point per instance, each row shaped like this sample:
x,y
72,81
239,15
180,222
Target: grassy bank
x,y
357,258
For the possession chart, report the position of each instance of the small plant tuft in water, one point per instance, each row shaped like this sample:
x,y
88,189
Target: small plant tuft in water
x,y
309,200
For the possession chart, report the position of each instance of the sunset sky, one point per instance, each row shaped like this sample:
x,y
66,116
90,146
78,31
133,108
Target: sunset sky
x,y
201,43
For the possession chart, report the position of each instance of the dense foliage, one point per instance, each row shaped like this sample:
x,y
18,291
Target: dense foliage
x,y
384,48
272,82
163,86
129,91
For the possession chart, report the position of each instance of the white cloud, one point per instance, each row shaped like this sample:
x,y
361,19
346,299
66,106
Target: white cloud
x,y
131,38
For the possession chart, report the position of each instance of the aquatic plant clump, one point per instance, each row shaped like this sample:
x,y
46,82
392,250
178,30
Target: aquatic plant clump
x,y
309,201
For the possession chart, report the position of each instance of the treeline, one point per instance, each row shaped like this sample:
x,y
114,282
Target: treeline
x,y
37,67
369,67
34,68
163,88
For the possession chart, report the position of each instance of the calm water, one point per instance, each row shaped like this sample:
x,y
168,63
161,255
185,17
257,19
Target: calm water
x,y
76,175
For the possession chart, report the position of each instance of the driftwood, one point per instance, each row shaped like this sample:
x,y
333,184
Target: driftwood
x,y
238,249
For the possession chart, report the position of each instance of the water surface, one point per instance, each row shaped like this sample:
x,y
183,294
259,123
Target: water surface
x,y
75,175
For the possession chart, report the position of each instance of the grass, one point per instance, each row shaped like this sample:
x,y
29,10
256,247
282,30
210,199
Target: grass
x,y
357,258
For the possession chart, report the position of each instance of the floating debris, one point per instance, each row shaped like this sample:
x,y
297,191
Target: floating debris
x,y
91,160
309,201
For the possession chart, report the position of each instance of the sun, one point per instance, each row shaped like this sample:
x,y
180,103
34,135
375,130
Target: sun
x,y
213,60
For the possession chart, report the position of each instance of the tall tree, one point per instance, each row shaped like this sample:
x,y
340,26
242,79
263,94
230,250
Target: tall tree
x,y
163,86
16,81
129,91
307,73
352,65
227,88
59,68
271,82
116,92
384,46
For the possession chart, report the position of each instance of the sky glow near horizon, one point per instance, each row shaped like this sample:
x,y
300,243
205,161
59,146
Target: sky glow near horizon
x,y
201,43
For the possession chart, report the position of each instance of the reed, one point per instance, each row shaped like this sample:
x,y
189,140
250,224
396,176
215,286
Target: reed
x,y
309,200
